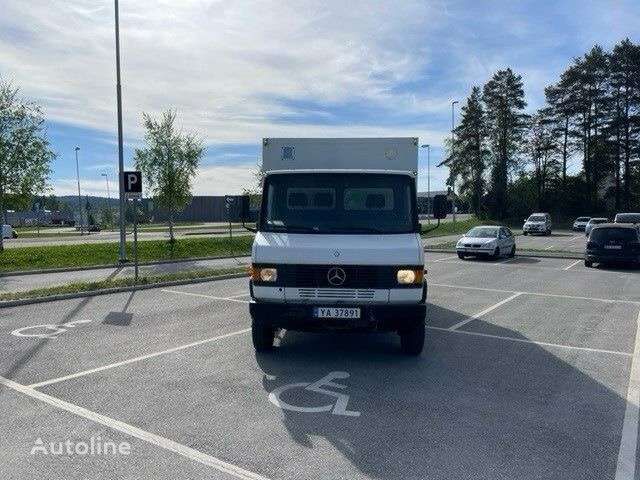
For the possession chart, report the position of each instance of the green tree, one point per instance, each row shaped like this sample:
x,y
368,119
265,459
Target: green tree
x,y
169,163
468,160
25,155
504,101
542,149
625,84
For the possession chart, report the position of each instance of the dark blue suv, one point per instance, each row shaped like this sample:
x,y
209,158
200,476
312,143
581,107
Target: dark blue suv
x,y
613,243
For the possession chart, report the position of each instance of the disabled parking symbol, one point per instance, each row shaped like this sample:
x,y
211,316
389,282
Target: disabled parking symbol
x,y
337,405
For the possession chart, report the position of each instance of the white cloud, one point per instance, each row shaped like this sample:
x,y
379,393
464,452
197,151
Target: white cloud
x,y
223,65
211,180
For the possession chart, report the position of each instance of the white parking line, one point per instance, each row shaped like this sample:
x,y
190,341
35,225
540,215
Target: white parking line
x,y
138,359
444,259
572,265
202,295
484,312
523,340
538,294
239,295
135,432
626,466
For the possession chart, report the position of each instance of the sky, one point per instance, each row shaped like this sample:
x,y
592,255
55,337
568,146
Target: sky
x,y
237,71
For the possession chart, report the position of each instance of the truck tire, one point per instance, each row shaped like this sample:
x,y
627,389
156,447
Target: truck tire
x,y
262,336
588,263
512,253
461,256
412,339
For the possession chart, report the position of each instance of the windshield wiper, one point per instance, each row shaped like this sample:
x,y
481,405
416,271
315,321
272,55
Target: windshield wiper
x,y
292,228
359,230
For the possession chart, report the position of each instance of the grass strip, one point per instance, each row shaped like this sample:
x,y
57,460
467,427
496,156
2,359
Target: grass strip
x,y
80,287
450,228
106,254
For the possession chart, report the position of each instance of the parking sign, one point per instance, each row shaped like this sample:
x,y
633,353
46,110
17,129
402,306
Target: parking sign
x,y
132,184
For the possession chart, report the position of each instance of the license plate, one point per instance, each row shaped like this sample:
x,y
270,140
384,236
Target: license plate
x,y
336,312
613,247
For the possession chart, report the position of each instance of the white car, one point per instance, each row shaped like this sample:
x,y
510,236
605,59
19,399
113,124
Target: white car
x,y
488,241
537,223
8,232
580,223
591,223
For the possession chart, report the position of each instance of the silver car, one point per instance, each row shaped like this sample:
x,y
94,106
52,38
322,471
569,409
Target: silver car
x,y
592,222
539,223
488,241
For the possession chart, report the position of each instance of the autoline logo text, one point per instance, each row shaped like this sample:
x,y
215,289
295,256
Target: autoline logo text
x,y
94,446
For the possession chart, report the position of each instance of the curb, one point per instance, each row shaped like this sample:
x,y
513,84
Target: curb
x,y
107,291
115,265
568,255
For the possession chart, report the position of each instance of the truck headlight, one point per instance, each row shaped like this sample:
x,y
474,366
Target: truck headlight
x,y
408,277
267,274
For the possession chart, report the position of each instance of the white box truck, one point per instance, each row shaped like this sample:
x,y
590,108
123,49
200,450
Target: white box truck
x,y
338,244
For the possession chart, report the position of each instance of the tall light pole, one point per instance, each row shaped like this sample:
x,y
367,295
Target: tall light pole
x,y
123,234
106,177
428,147
79,196
453,181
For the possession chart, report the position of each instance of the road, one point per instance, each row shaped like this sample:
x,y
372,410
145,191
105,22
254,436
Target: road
x,y
530,371
209,229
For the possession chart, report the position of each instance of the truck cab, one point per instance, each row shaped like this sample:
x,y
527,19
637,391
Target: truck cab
x,y
338,244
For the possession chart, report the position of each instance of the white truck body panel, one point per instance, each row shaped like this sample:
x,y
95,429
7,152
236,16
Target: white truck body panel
x,y
398,154
319,249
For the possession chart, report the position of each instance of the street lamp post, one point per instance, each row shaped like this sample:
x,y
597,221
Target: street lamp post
x,y
453,181
428,147
123,237
79,196
106,177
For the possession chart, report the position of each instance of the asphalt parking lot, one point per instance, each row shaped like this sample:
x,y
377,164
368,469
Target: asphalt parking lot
x,y
559,240
530,371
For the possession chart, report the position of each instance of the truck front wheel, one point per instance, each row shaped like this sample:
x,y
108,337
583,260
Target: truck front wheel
x,y
412,339
262,336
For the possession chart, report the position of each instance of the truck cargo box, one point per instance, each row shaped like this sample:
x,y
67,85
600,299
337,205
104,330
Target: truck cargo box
x,y
397,154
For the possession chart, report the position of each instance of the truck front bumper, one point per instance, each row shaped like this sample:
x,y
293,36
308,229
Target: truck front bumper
x,y
300,317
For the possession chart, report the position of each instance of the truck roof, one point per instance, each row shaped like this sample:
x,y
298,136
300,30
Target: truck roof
x,y
344,154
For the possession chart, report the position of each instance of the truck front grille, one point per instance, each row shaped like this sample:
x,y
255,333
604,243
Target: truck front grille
x,y
356,276
337,293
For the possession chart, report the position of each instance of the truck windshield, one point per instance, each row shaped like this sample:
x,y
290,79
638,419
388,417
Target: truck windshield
x,y
338,203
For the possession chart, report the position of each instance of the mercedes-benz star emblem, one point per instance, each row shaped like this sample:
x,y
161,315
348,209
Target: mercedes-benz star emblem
x,y
336,276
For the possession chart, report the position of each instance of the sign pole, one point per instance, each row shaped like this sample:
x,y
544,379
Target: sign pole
x,y
135,240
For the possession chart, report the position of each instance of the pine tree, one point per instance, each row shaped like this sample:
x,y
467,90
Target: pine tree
x,y
504,101
468,161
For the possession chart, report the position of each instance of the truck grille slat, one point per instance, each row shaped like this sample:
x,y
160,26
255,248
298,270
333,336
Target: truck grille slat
x,y
339,293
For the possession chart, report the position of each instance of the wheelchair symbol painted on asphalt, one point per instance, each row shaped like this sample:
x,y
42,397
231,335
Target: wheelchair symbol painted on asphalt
x,y
48,331
338,405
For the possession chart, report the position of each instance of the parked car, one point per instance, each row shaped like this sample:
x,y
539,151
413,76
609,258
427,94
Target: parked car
x,y
9,232
488,241
537,223
627,218
580,223
613,243
594,221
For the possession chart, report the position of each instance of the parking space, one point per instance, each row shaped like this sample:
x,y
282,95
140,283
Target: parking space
x,y
559,240
530,370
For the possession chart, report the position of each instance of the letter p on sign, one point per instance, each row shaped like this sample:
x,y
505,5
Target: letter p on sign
x,y
132,184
